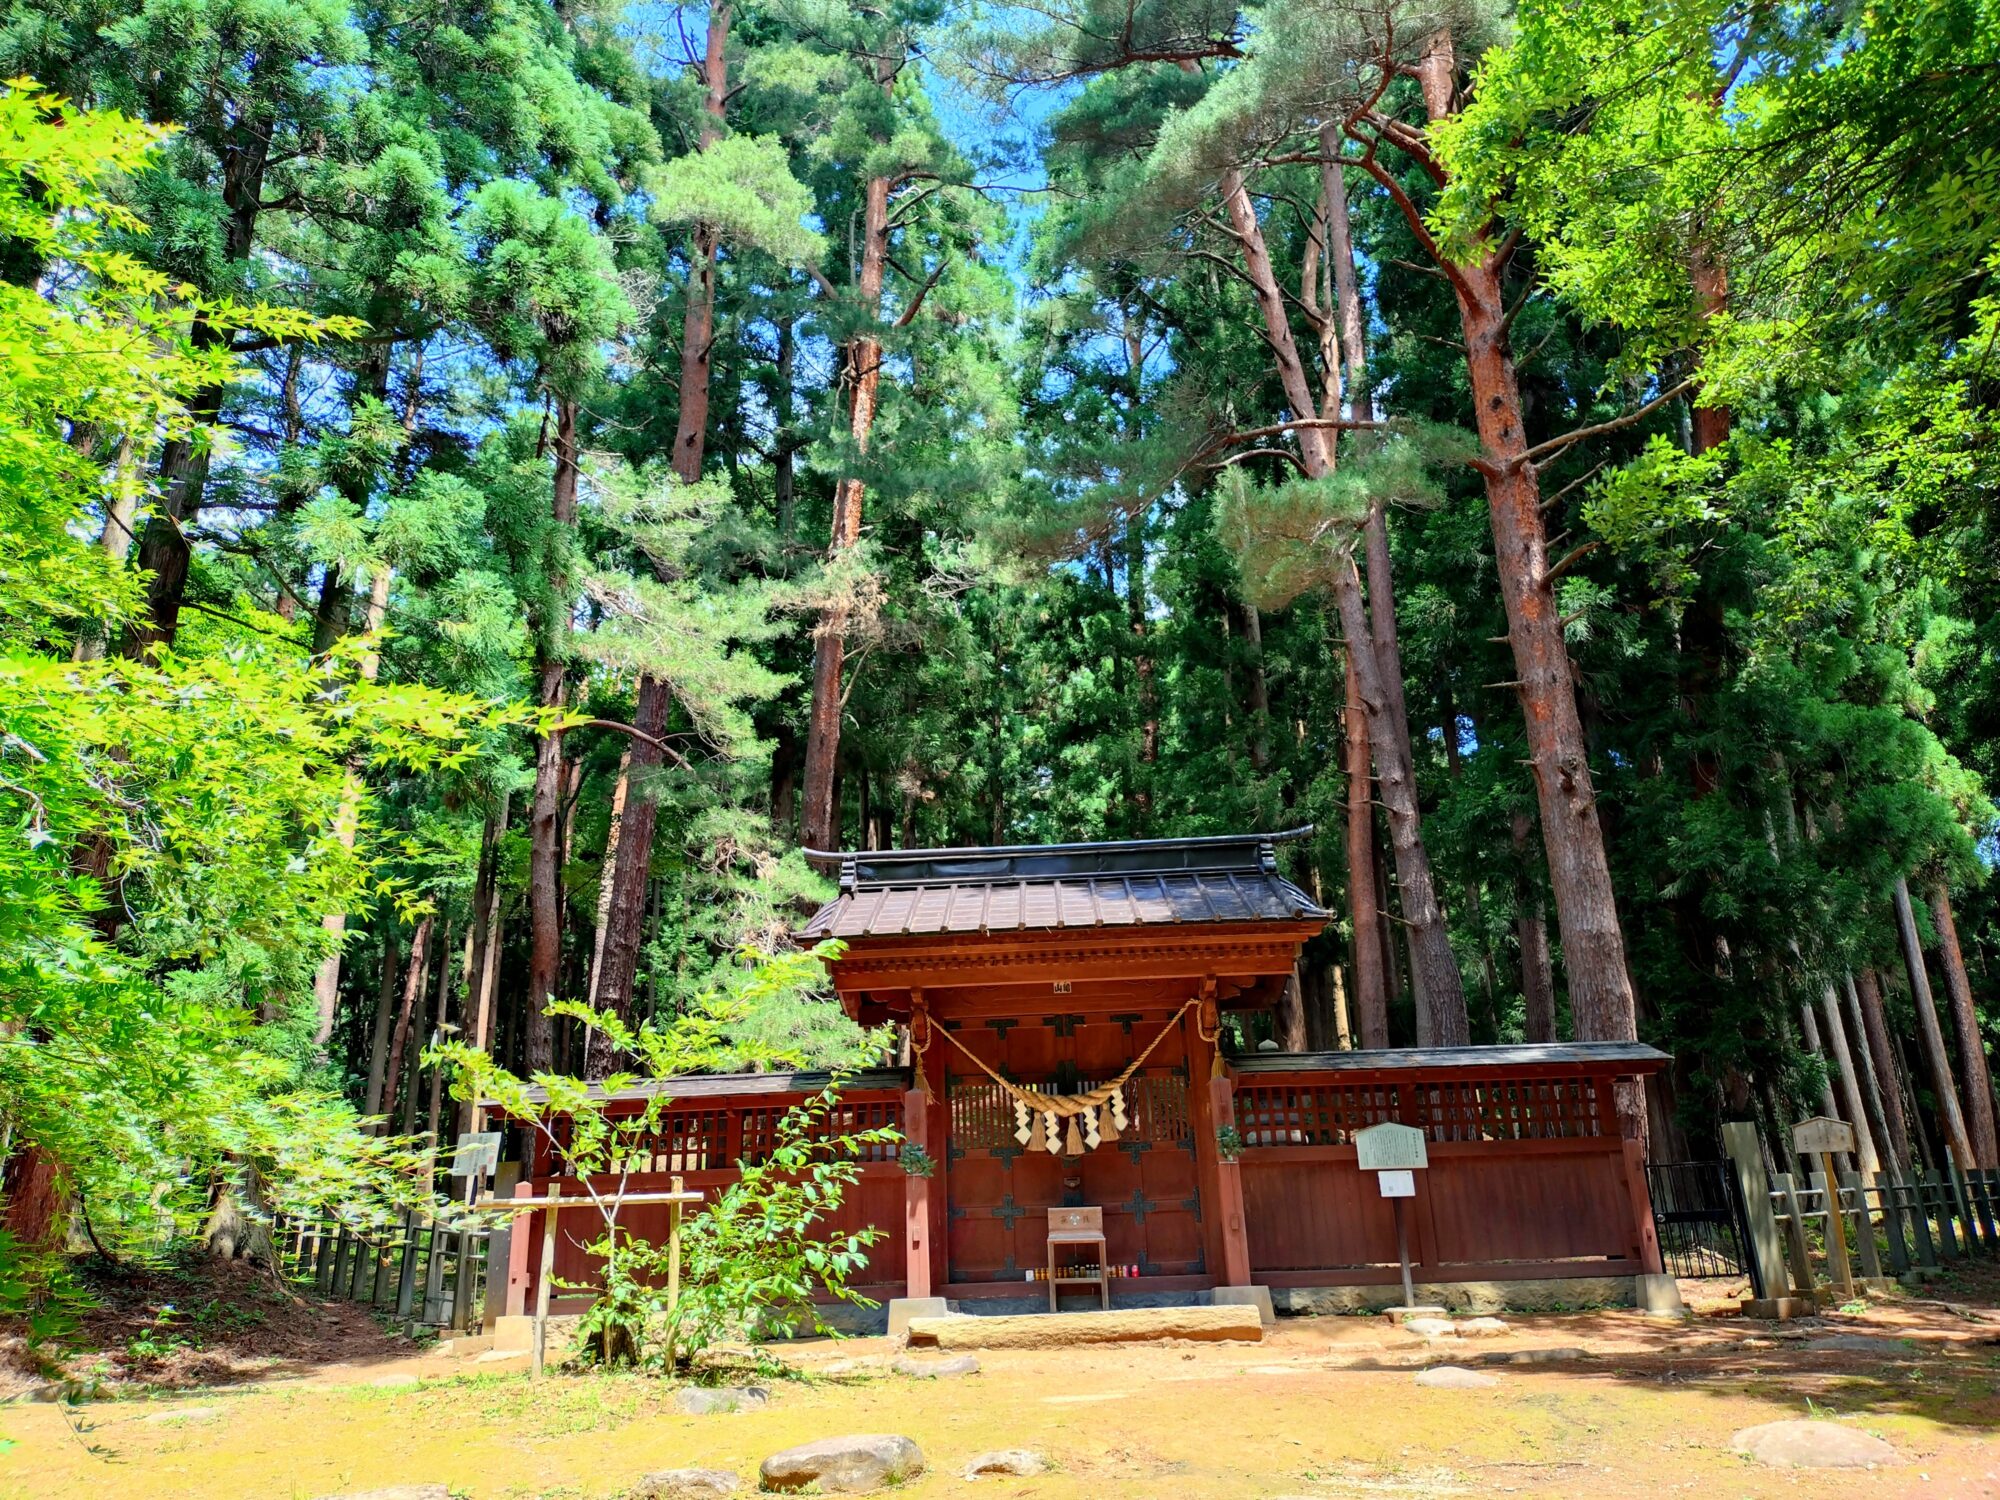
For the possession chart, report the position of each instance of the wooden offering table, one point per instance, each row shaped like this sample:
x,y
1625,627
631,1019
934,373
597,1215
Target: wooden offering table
x,y
1068,1228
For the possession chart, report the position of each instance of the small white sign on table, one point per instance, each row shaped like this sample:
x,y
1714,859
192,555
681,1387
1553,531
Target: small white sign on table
x,y
1395,1154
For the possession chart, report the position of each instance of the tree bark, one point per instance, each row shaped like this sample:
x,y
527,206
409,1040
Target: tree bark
x,y
245,152
628,860
378,1036
1260,691
1951,1117
1856,1031
545,853
484,938
1867,1001
413,989
1443,990
863,370
1853,1096
1371,978
1828,1104
1601,996
1971,1046
1711,294
347,818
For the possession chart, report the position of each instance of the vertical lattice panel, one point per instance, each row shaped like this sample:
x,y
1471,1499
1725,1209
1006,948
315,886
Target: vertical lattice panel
x,y
1311,1114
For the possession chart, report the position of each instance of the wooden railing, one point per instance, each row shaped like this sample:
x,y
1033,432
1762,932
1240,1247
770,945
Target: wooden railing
x,y
422,1273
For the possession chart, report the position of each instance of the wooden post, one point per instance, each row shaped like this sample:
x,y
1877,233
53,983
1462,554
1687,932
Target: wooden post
x,y
1836,1231
1201,1121
1739,1139
548,1276
1803,1280
678,1185
1229,1184
517,1255
1645,1233
917,1198
1864,1227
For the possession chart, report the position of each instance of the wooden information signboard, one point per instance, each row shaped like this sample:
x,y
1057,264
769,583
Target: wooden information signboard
x,y
1390,1147
1395,1154
1821,1136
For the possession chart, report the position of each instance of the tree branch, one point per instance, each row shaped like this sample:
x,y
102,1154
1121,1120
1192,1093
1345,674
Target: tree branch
x,y
638,734
1555,445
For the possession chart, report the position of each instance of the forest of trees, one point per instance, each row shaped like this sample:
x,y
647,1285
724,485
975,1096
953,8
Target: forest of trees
x,y
485,486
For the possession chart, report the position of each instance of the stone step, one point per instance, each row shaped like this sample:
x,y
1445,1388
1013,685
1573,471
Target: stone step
x,y
1063,1330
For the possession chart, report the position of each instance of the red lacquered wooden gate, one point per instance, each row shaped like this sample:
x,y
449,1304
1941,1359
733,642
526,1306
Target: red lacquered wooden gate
x,y
1000,1193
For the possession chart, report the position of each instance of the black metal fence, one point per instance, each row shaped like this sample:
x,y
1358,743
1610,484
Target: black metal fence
x,y
1698,1212
422,1274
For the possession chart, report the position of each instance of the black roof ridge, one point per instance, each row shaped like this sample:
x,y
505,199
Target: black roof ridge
x,y
1190,841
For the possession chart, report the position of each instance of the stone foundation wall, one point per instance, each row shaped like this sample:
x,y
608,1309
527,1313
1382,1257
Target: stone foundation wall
x,y
1565,1294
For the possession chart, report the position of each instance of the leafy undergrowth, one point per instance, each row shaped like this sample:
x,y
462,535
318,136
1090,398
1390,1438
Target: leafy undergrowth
x,y
192,1321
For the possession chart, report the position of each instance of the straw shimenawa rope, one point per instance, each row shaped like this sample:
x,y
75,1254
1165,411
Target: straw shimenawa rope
x,y
1065,1106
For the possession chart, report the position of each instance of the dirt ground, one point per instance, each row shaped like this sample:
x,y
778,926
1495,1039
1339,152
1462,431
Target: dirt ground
x,y
1606,1405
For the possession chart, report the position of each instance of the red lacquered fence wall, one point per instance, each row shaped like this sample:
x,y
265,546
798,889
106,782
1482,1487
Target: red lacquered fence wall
x,y
702,1141
1530,1177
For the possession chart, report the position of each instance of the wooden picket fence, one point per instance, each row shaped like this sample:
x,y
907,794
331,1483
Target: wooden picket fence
x,y
418,1273
1883,1224
1898,1227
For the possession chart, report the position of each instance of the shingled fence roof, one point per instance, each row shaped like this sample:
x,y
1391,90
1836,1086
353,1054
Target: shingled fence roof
x,y
893,892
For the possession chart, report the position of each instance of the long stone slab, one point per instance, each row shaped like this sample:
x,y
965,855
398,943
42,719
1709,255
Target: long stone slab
x,y
1061,1330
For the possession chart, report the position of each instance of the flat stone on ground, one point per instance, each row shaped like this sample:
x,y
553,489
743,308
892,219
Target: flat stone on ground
x,y
843,1368
1859,1343
1017,1462
1481,1328
957,1364
1813,1445
685,1484
1454,1378
1431,1328
852,1465
397,1492
704,1401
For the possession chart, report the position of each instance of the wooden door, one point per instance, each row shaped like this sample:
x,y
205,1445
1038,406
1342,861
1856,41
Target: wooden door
x,y
1000,1193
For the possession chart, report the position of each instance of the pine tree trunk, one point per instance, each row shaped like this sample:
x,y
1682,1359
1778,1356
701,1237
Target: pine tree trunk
x,y
485,940
1936,1059
1260,692
1971,1046
1828,1104
1601,997
863,371
1711,293
1442,992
